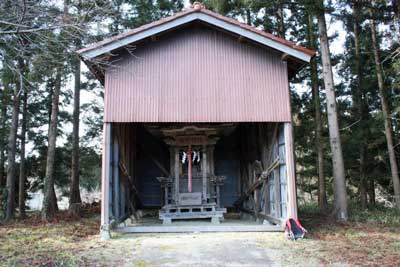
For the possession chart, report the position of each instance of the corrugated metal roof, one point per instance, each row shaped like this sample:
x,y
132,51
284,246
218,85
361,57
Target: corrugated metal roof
x,y
198,75
189,11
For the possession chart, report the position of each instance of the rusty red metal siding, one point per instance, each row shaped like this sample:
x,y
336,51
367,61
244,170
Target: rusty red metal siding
x,y
198,75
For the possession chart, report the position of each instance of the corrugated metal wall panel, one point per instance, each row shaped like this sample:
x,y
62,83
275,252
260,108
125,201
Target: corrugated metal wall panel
x,y
146,170
197,75
227,164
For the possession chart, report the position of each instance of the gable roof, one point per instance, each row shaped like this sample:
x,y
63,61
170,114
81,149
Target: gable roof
x,y
197,12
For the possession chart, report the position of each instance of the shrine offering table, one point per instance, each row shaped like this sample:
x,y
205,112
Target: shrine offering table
x,y
201,211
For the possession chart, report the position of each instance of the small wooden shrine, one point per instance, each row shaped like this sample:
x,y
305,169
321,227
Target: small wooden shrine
x,y
192,190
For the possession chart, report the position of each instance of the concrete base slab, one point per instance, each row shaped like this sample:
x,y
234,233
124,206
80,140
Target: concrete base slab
x,y
167,221
151,224
215,220
200,229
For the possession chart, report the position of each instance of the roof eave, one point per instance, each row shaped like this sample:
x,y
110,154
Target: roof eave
x,y
302,54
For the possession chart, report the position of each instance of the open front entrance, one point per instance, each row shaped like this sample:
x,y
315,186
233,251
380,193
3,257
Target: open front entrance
x,y
191,190
175,173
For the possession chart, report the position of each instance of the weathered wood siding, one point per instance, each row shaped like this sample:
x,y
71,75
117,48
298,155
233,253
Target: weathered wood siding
x,y
198,74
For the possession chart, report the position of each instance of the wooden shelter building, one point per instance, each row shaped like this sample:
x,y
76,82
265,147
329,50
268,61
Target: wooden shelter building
x,y
197,119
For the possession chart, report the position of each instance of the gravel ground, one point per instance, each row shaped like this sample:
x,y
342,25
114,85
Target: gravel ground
x,y
197,249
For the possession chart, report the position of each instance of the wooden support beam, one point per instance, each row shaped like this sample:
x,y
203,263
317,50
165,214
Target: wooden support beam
x,y
277,194
279,222
258,182
122,201
172,173
205,171
262,141
275,220
115,176
172,161
211,159
166,195
105,182
273,142
176,172
265,194
211,171
246,210
290,170
257,202
270,155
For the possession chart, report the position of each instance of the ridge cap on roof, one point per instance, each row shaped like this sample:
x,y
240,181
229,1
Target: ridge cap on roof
x,y
195,8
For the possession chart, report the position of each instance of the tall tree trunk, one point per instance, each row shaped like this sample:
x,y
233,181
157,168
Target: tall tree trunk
x,y
248,16
281,19
3,122
334,136
5,101
12,146
360,106
386,113
50,201
371,192
75,197
396,20
22,170
50,110
322,202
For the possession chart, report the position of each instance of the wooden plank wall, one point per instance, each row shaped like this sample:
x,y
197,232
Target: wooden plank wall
x,y
260,145
123,201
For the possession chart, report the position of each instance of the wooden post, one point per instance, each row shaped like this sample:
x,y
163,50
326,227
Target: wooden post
x,y
277,178
277,188
176,172
105,183
266,198
211,159
290,170
257,203
190,169
166,195
204,167
122,201
172,161
211,171
171,172
115,171
263,138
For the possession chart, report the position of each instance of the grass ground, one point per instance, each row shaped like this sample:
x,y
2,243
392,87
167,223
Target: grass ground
x,y
31,242
371,238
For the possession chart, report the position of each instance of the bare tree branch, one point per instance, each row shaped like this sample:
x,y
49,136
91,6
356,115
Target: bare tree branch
x,y
37,29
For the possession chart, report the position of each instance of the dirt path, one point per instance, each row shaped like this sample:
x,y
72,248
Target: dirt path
x,y
198,249
68,242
